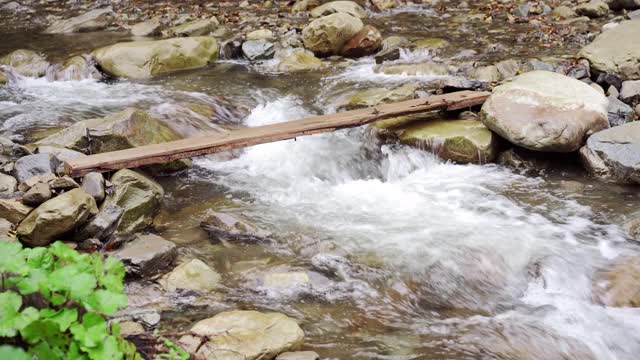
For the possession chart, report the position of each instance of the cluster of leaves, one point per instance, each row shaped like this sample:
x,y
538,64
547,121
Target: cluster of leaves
x,y
53,303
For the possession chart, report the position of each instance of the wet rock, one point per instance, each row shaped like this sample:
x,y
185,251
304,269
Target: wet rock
x,y
632,229
390,48
299,61
123,130
464,141
75,68
328,34
614,153
150,27
545,111
193,28
261,34
26,62
145,59
619,285
615,51
93,184
427,68
193,275
146,255
138,196
366,42
487,74
347,7
33,165
563,12
101,226
377,96
630,92
299,355
227,227
93,20
13,210
56,217
618,112
37,195
593,9
258,50
249,335
8,184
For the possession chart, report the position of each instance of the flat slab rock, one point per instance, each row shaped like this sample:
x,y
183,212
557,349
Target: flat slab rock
x,y
614,154
146,255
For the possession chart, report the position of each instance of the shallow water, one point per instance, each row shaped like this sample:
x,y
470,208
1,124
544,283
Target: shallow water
x,y
435,260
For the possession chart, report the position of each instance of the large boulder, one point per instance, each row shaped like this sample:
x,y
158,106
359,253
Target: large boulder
x,y
26,62
193,28
347,7
464,141
328,34
138,196
144,59
614,153
545,111
146,255
56,217
93,20
193,275
616,50
123,130
247,335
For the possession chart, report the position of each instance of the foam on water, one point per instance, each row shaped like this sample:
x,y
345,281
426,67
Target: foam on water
x,y
456,225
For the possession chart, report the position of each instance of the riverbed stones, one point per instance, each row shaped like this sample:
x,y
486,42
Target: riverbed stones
x,y
248,335
231,227
366,42
328,34
630,92
34,165
487,74
8,184
463,141
139,197
145,59
390,48
545,111
101,226
56,217
619,285
375,96
614,153
593,9
146,255
193,28
616,51
425,68
13,211
26,62
94,20
618,112
192,275
38,194
347,7
260,34
150,27
93,184
254,50
298,61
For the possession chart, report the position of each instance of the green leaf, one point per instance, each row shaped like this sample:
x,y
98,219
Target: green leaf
x,y
70,279
107,302
63,252
64,317
12,259
33,282
13,353
10,304
45,350
41,330
40,258
91,332
112,275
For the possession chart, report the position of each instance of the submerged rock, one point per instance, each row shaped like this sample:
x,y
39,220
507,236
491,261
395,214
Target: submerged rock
x,y
616,51
464,141
56,217
545,111
347,7
145,59
138,196
193,28
327,35
614,153
146,255
228,227
26,62
426,68
366,42
248,335
193,275
93,20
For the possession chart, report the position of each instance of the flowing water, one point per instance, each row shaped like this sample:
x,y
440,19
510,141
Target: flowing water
x,y
410,257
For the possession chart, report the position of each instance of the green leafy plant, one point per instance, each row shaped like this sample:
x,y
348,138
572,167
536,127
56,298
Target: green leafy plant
x,y
174,352
53,303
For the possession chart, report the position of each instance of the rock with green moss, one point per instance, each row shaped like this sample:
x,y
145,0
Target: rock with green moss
x,y
464,141
299,61
26,62
123,130
56,217
328,34
145,59
139,197
193,28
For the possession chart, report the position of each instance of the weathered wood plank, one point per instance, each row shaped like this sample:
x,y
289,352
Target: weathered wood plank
x,y
196,146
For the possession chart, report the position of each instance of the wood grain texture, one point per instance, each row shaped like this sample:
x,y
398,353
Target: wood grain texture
x,y
197,146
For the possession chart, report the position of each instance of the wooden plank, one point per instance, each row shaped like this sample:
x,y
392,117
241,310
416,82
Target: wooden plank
x,y
196,146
